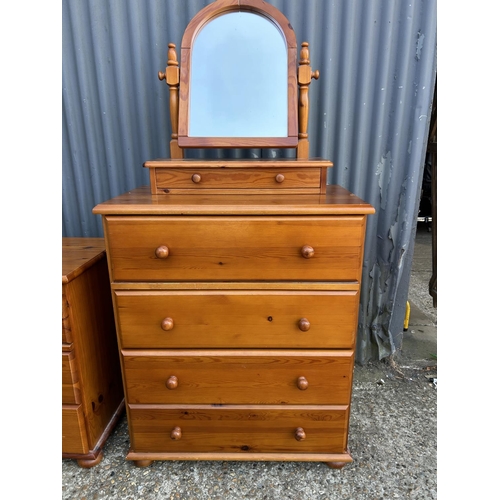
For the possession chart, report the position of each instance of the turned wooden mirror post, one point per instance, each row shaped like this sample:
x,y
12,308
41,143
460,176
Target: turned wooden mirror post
x,y
171,76
305,75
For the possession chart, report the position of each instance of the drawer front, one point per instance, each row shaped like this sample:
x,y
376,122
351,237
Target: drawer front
x,y
240,319
246,430
238,178
219,248
238,377
67,338
74,436
70,384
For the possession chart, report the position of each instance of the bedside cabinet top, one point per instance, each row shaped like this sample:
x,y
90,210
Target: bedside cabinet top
x,y
79,254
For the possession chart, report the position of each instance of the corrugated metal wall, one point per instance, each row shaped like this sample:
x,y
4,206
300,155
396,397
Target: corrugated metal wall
x,y
369,114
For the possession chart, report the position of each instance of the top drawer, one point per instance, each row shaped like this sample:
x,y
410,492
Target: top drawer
x,y
187,180
228,248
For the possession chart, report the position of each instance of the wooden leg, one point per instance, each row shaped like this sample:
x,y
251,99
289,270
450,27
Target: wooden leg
x,y
142,463
335,465
87,463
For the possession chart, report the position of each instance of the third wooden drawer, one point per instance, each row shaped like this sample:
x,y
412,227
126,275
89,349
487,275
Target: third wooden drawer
x,y
262,377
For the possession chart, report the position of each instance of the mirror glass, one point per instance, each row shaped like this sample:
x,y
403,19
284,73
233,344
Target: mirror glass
x,y
238,84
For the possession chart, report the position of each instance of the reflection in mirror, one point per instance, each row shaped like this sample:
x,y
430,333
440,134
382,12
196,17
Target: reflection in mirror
x,y
238,84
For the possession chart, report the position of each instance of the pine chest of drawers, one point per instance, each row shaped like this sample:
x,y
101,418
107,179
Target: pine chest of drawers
x,y
236,319
92,389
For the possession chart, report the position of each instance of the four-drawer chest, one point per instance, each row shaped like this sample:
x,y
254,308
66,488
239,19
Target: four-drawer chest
x,y
236,319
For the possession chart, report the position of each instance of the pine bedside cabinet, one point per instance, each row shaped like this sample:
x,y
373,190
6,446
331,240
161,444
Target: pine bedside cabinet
x,y
92,389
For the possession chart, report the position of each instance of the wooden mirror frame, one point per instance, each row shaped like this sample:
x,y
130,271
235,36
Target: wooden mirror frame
x,y
215,9
178,82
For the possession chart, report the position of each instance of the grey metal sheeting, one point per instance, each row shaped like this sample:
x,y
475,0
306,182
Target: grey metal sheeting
x,y
369,114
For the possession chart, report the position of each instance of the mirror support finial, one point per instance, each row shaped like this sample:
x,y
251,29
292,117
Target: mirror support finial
x,y
304,77
172,78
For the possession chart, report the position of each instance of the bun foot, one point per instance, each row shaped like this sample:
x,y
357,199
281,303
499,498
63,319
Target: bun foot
x,y
142,463
335,465
87,463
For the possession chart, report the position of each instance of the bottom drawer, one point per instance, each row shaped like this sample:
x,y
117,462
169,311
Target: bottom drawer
x,y
270,429
74,435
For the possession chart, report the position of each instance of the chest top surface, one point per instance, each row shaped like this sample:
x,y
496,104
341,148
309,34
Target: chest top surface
x,y
336,201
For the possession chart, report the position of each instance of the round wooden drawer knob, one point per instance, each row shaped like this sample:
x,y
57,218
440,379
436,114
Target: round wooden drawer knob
x,y
304,324
167,324
280,178
300,434
302,383
307,251
176,433
162,252
172,382
196,178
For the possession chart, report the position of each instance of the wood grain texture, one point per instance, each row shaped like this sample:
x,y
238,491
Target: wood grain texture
x,y
70,381
248,178
336,201
245,431
312,286
241,319
74,434
216,377
235,248
144,459
239,163
80,254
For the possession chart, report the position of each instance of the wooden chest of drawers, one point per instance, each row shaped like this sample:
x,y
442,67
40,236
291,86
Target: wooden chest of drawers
x,y
237,317
92,389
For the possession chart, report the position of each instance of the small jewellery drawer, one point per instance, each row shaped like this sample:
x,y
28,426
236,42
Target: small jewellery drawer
x,y
240,319
232,248
238,377
172,179
272,429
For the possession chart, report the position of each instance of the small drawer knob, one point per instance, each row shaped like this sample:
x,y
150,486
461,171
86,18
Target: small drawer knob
x,y
196,178
302,383
167,324
304,324
280,178
162,252
300,434
172,382
176,433
307,251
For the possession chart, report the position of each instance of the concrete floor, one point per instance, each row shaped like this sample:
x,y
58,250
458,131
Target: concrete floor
x,y
393,436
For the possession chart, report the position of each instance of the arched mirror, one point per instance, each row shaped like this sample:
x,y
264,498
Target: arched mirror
x,y
238,78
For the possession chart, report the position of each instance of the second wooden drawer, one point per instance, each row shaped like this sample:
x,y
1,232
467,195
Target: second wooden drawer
x,y
241,319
